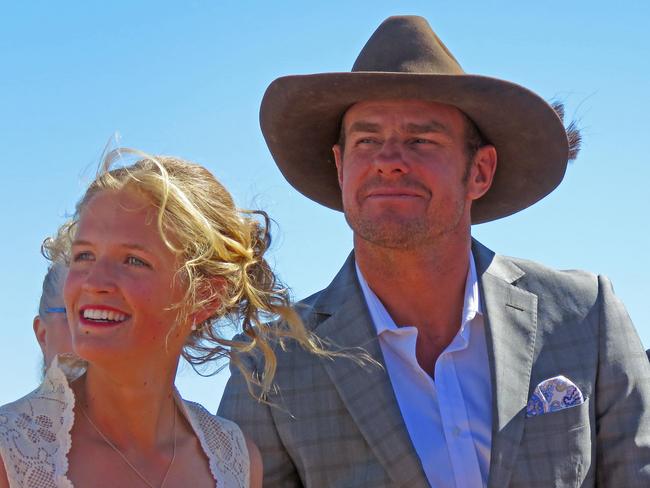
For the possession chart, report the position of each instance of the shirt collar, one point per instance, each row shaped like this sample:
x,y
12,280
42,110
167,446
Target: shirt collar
x,y
383,321
380,316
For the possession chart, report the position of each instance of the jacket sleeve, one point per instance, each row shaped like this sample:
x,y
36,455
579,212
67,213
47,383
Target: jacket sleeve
x,y
255,418
622,398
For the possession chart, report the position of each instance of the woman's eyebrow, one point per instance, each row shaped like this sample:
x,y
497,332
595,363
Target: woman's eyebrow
x,y
81,242
126,245
135,247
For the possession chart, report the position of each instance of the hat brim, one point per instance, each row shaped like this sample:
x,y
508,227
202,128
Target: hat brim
x,y
300,118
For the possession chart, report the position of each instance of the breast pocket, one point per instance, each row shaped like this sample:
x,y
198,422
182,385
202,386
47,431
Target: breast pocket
x,y
555,449
565,420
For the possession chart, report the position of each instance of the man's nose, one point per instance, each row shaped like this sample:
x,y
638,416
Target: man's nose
x,y
390,159
100,278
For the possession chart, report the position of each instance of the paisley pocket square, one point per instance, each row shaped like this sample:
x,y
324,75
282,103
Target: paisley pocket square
x,y
552,395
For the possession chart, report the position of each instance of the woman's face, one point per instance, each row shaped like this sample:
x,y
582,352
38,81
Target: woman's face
x,y
122,284
52,333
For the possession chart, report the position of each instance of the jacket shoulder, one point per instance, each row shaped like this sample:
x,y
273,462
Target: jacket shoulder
x,y
306,306
571,285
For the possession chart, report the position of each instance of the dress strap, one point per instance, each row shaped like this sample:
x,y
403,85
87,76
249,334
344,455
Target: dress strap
x,y
223,443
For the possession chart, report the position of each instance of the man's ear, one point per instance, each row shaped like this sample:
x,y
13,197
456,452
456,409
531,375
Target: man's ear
x,y
338,160
481,174
40,331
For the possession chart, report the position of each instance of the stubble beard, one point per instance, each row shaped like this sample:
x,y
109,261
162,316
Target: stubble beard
x,y
393,230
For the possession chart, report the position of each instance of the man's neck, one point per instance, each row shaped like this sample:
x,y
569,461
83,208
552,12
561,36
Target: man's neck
x,y
421,287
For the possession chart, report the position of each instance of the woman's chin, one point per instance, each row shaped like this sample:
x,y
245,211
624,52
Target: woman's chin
x,y
99,350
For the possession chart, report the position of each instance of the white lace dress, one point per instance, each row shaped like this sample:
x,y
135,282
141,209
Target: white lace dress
x,y
35,435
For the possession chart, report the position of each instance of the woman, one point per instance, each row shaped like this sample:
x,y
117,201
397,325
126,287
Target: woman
x,y
159,257
50,325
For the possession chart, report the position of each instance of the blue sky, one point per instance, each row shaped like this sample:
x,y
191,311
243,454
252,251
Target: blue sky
x,y
186,78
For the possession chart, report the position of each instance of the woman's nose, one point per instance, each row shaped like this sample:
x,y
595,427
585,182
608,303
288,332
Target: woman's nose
x,y
100,278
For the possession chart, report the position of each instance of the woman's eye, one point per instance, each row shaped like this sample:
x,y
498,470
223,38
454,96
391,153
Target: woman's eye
x,y
134,261
82,256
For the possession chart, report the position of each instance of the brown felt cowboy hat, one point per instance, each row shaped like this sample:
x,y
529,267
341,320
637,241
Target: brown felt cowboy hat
x,y
301,115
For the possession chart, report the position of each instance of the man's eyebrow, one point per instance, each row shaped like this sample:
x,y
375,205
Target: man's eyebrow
x,y
432,126
411,128
362,126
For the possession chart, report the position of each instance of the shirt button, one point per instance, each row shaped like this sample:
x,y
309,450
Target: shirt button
x,y
456,431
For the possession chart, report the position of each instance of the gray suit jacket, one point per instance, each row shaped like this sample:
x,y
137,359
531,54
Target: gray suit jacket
x,y
336,424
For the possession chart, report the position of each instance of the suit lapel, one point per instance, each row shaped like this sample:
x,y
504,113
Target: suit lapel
x,y
511,321
342,317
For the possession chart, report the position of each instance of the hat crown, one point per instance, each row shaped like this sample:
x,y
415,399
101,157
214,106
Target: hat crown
x,y
301,117
406,44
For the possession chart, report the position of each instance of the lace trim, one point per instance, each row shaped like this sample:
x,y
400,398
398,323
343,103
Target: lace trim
x,y
64,439
35,434
224,445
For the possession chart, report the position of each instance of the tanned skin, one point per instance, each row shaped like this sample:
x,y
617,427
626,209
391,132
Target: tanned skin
x,y
408,185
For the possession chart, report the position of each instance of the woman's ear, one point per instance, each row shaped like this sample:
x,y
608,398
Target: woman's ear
x,y
212,291
40,331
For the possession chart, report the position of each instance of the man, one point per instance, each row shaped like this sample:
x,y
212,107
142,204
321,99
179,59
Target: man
x,y
494,371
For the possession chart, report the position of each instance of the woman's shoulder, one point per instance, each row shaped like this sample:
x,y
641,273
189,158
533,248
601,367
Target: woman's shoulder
x,y
18,413
45,409
210,420
219,433
224,443
10,409
30,424
35,433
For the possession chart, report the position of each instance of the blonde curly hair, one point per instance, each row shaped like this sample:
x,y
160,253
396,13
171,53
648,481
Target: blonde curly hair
x,y
222,249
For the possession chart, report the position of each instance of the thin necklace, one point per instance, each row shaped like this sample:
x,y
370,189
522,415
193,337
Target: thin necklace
x,y
135,470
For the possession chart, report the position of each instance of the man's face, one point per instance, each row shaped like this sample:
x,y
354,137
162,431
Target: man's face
x,y
405,175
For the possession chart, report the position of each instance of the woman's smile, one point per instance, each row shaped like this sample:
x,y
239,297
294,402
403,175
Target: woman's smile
x,y
122,287
102,316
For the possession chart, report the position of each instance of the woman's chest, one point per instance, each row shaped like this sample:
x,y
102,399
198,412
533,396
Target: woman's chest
x,y
93,463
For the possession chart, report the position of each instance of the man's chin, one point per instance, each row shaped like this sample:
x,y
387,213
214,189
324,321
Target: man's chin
x,y
393,233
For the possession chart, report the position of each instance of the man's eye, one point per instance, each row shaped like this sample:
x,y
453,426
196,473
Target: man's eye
x,y
82,256
366,140
134,261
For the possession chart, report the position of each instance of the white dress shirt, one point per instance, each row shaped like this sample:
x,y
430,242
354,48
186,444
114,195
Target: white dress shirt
x,y
449,417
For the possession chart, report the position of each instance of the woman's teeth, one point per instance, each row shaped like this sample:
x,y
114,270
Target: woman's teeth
x,y
107,315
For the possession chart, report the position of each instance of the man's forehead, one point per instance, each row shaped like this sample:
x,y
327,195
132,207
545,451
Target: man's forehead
x,y
363,114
